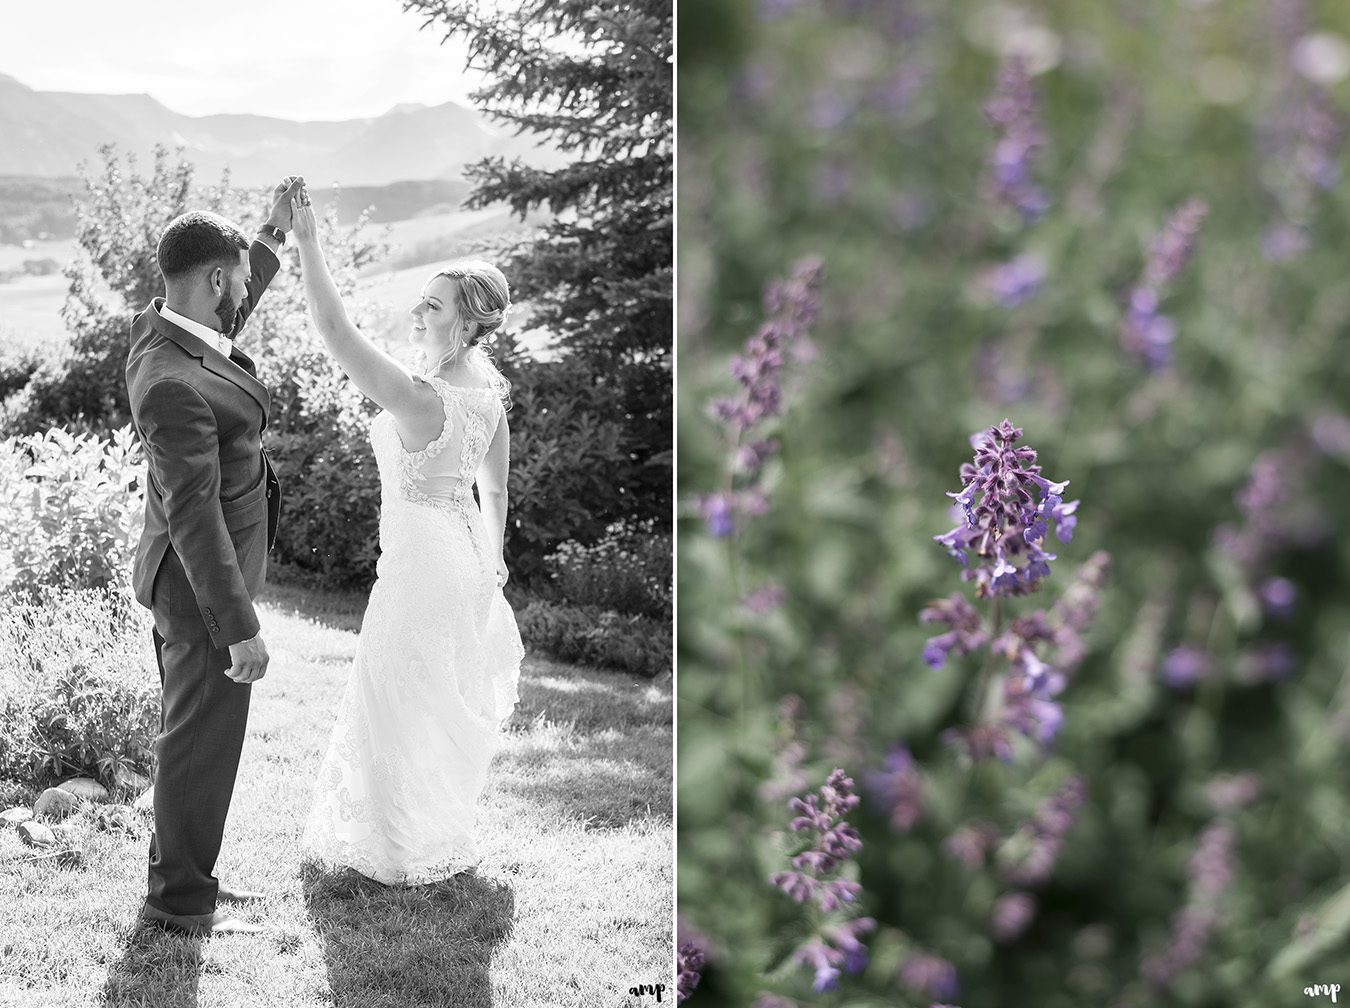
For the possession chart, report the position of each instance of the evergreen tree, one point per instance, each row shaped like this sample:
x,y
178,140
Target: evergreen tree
x,y
593,79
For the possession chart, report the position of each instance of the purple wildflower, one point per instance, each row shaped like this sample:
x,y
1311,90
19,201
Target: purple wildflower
x,y
965,633
1278,597
1015,282
1185,666
834,843
1231,792
1073,614
1008,507
926,974
788,777
1266,662
690,964
1210,870
792,308
765,599
972,843
1041,837
1014,110
898,787
1011,915
836,946
1144,332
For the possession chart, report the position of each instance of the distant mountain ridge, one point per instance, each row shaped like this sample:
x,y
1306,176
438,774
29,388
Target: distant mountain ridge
x,y
48,133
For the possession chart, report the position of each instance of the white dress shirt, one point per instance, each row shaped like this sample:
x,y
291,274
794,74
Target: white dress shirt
x,y
215,340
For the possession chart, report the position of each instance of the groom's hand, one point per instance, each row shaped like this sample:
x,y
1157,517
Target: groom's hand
x,y
285,190
248,660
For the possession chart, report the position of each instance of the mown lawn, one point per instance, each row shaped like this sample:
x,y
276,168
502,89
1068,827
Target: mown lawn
x,y
571,906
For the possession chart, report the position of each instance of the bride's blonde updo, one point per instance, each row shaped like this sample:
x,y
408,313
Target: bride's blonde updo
x,y
482,297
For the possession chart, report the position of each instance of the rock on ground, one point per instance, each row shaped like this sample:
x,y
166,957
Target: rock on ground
x,y
87,788
55,804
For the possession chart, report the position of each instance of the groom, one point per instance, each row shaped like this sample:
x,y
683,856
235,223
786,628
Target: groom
x,y
211,509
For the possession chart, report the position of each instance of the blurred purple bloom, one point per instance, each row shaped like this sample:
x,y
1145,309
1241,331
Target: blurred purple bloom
x,y
1014,110
690,964
926,974
1331,434
765,599
982,742
1278,596
1283,241
898,788
1043,835
1231,792
1008,506
1210,872
1015,282
972,843
1185,666
838,949
1267,662
1075,610
788,777
792,307
965,633
1144,332
1011,915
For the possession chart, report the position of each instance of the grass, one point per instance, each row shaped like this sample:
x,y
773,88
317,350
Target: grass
x,y
571,906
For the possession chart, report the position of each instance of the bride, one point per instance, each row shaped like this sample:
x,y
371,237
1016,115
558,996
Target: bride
x,y
439,654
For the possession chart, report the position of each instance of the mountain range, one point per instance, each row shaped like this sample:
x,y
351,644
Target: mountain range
x,y
47,134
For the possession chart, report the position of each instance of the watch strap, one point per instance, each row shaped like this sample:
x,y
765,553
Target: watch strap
x,y
273,232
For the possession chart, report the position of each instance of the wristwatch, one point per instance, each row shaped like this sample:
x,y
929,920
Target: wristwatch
x,y
273,232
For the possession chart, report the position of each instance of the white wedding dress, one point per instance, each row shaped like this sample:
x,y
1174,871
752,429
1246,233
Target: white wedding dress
x,y
436,669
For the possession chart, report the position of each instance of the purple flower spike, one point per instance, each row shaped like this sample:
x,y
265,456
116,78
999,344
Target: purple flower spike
x,y
1044,833
1210,871
1014,111
1144,332
815,878
792,307
927,974
1008,508
1278,597
690,965
1012,914
898,788
1016,282
965,633
1185,666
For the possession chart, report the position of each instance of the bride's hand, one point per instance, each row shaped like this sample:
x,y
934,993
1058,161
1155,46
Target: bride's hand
x,y
502,572
303,223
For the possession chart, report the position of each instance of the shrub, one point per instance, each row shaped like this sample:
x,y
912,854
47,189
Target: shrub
x,y
589,634
627,570
16,369
71,507
79,687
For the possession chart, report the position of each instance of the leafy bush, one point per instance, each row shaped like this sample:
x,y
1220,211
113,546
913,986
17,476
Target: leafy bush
x,y
16,368
628,570
79,694
71,508
589,634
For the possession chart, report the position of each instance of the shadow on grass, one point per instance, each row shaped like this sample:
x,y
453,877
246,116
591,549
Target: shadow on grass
x,y
156,968
392,947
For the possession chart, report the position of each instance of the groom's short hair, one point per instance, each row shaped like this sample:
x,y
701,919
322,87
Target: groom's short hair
x,y
195,239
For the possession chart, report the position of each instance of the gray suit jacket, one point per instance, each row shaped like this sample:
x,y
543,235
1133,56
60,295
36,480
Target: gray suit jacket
x,y
212,502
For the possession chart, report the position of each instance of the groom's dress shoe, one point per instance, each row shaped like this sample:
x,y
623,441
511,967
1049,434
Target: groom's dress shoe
x,y
198,924
226,892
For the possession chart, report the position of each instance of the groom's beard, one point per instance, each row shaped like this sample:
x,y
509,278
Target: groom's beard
x,y
226,310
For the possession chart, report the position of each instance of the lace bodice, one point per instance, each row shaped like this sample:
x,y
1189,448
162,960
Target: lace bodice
x,y
442,474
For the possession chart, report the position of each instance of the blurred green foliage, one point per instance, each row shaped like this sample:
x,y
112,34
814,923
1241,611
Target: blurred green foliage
x,y
787,150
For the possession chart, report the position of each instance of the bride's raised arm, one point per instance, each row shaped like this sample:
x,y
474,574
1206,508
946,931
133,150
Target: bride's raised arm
x,y
377,374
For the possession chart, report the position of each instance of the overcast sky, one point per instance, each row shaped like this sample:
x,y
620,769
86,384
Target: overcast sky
x,y
294,59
